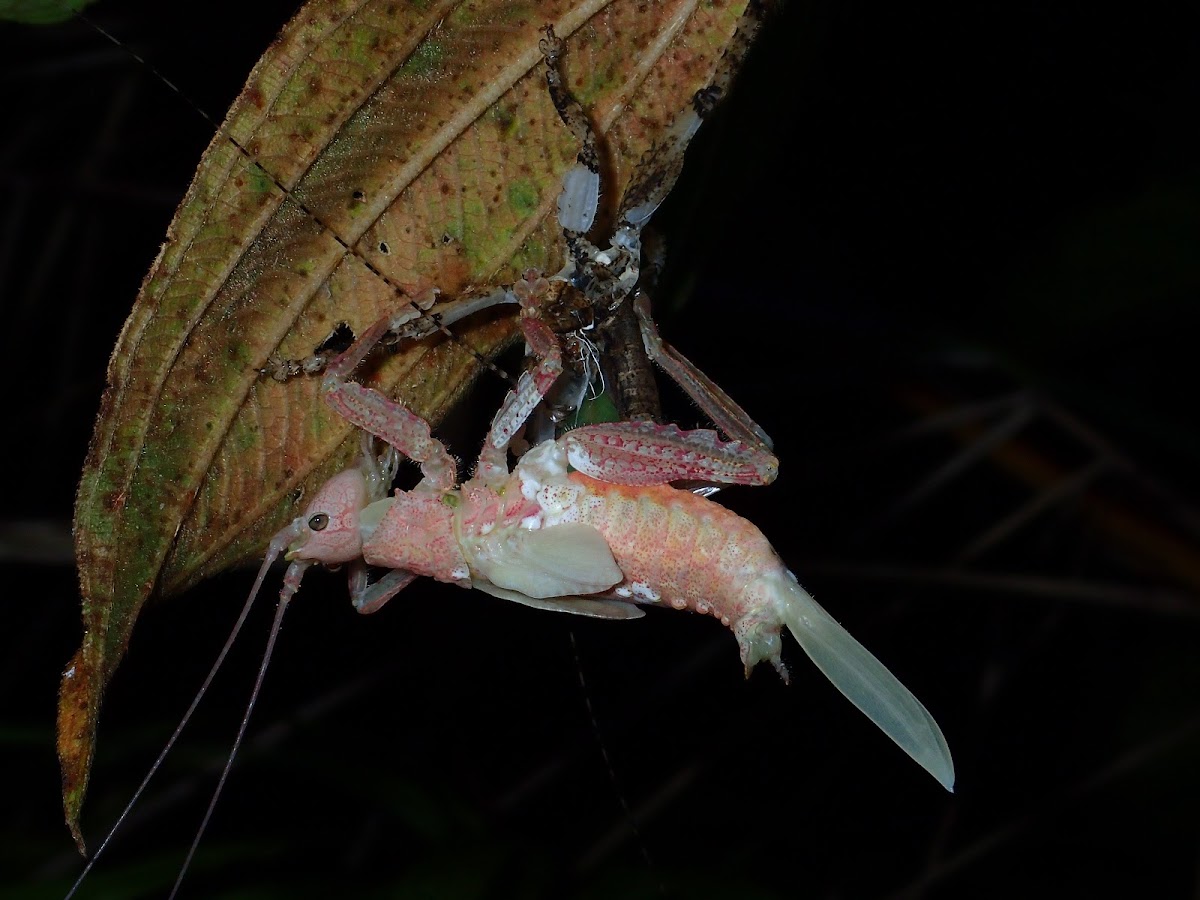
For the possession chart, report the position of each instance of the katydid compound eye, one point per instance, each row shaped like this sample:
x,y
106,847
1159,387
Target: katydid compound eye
x,y
318,522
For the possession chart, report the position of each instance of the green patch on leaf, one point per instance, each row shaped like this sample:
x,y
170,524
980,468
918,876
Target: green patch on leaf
x,y
424,60
40,12
260,182
523,197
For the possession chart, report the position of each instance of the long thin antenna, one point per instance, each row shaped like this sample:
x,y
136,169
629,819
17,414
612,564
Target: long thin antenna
x,y
312,214
291,582
630,818
208,679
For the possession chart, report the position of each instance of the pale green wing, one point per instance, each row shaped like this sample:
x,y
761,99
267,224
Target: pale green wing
x,y
867,683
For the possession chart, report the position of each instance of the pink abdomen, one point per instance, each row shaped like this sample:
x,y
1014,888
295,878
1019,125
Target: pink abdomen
x,y
690,552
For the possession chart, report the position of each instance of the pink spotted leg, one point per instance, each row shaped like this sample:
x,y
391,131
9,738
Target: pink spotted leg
x,y
384,418
646,453
368,598
722,409
531,387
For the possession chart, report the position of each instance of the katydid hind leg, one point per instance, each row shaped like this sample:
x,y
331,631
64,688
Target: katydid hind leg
x,y
646,453
725,412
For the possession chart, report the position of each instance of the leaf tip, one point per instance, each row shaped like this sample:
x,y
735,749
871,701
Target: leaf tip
x,y
77,707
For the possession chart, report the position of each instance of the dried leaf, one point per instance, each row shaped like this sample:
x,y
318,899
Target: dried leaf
x,y
422,136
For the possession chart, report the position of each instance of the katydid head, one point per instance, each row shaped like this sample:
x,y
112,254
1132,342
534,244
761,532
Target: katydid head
x,y
328,531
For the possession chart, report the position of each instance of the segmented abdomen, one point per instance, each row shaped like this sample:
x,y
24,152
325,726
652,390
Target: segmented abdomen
x,y
676,547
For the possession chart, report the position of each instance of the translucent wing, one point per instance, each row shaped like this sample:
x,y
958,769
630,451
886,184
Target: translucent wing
x,y
549,562
867,683
593,607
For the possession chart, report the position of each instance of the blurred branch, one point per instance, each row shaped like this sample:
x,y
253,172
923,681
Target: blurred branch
x,y
44,542
1141,599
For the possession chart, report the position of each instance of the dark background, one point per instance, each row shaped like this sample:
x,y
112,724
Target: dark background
x,y
948,258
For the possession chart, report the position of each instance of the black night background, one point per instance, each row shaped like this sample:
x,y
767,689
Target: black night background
x,y
947,256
